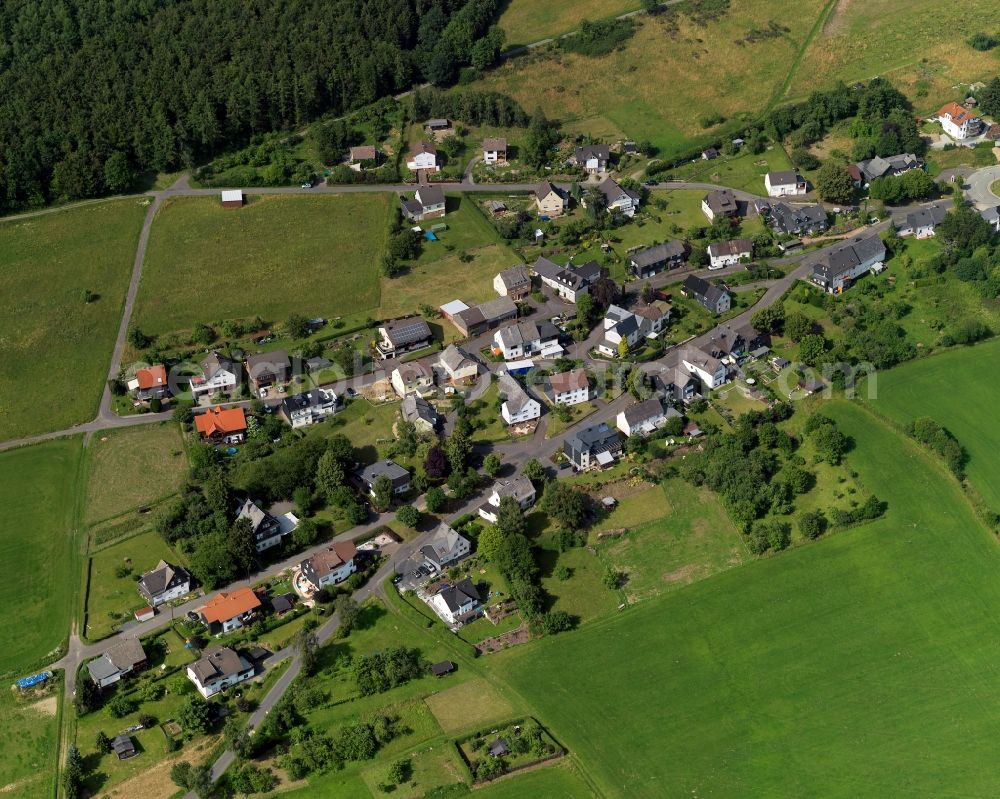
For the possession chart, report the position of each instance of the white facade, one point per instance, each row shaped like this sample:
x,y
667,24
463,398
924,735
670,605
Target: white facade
x,y
783,188
426,161
711,372
719,261
171,594
314,412
440,607
572,397
215,686
337,575
642,427
223,380
412,382
524,412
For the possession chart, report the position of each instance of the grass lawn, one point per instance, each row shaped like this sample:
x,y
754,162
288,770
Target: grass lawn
x,y
525,22
664,80
432,766
112,598
38,490
29,737
50,336
129,468
953,390
576,413
978,157
468,230
741,171
365,424
688,539
760,670
555,781
315,256
468,705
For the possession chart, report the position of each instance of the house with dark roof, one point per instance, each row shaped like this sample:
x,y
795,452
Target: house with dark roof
x,y
566,281
403,335
362,157
267,530
720,202
442,668
219,374
310,407
714,299
786,183
423,156
653,260
519,488
550,200
592,158
446,546
514,283
643,418
123,746
727,253
992,217
921,223
418,412
412,378
617,198
428,202
711,371
397,475
219,668
836,268
494,151
482,317
228,611
878,167
331,565
124,658
457,604
268,368
517,405
164,584
593,447
799,220
499,748
526,339
677,385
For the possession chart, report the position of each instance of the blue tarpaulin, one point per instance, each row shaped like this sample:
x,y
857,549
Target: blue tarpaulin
x,y
34,679
429,235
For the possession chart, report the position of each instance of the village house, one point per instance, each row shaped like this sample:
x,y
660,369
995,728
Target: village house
x,y
124,658
567,282
727,253
412,378
219,374
397,475
457,604
149,383
520,488
423,156
836,268
677,385
617,198
164,584
267,531
709,370
592,158
728,342
652,317
310,407
457,366
218,668
786,183
799,220
232,198
653,260
266,369
720,202
568,388
479,318
418,412
920,223
867,171
226,612
992,217
330,565
362,157
593,447
959,122
619,325
518,406
494,151
643,418
221,425
428,203
446,546
526,339
550,200
714,299
403,335
514,283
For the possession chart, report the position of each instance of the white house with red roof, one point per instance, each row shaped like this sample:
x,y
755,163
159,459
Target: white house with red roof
x,y
959,122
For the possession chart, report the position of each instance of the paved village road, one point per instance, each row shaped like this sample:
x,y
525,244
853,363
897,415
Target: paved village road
x,y
978,187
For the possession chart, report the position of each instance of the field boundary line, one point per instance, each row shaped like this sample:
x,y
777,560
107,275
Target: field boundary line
x,y
786,84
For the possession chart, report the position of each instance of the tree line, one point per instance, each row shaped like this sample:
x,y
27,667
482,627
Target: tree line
x,y
91,94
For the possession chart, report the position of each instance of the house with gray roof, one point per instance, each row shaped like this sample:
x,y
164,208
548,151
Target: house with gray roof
x,y
799,220
403,335
268,368
566,281
785,183
218,374
126,657
592,158
528,338
164,584
514,283
720,202
920,223
714,299
653,260
483,317
617,198
518,405
519,488
310,407
593,447
836,268
642,418
218,668
446,546
457,366
457,604
727,253
419,412
992,217
267,530
428,203
879,167
711,371
397,475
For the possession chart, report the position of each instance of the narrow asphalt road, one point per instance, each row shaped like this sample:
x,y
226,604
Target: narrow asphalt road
x,y
979,183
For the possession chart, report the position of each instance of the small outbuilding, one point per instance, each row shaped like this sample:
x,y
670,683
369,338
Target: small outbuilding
x,y
232,198
123,746
499,747
442,668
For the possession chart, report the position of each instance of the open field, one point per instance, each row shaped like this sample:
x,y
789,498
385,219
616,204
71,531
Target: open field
x,y
928,54
932,386
29,734
129,468
111,597
315,256
556,781
858,632
742,171
525,21
49,334
470,704
665,79
38,556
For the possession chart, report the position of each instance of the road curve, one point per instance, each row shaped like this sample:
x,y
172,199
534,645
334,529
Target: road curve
x,y
979,183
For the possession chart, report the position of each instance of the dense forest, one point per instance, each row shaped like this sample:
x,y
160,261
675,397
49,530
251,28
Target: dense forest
x,y
93,92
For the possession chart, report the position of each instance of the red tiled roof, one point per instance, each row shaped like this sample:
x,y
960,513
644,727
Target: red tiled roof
x,y
956,113
221,421
227,606
152,377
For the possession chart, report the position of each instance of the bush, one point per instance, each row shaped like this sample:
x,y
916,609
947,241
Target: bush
x,y
120,706
982,42
812,524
